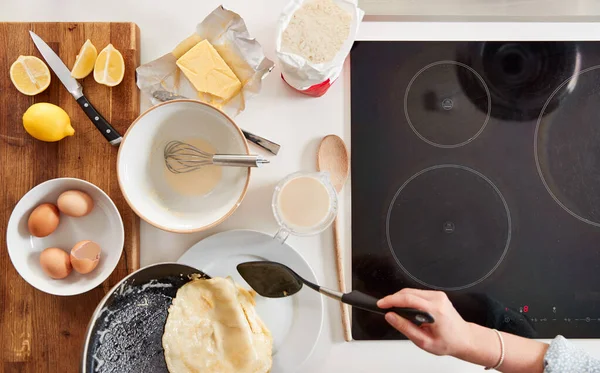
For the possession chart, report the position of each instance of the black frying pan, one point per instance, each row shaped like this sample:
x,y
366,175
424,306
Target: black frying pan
x,y
125,332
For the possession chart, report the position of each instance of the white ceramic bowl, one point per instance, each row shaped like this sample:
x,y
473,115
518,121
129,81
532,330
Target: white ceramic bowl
x,y
141,168
103,225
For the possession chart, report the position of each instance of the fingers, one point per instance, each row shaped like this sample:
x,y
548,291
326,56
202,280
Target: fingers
x,y
430,295
404,299
410,330
425,294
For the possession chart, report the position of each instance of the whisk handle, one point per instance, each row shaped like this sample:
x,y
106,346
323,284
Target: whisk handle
x,y
239,160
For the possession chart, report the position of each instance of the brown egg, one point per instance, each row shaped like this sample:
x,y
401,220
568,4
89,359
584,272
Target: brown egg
x,y
85,256
43,220
75,203
55,263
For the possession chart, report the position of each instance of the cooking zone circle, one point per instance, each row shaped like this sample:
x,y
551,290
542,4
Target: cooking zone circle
x,y
567,147
443,111
448,227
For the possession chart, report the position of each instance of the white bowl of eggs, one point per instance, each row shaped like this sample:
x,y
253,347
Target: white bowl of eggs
x,y
65,236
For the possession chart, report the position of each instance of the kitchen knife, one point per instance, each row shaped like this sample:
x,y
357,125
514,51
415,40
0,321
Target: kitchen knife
x,y
75,89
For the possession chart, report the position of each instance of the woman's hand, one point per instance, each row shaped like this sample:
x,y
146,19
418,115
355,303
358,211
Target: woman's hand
x,y
451,335
448,335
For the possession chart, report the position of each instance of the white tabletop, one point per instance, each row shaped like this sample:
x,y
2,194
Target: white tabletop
x,y
298,123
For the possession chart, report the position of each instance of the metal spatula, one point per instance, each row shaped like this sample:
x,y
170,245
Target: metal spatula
x,y
275,280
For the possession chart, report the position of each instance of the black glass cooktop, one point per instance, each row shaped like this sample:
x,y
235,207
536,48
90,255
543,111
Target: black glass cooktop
x,y
476,171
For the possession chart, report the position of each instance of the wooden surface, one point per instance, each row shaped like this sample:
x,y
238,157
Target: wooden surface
x,y
40,332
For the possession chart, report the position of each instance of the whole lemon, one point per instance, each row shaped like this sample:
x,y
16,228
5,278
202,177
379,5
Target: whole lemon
x,y
47,122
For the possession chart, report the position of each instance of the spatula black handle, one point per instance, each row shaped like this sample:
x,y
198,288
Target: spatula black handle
x,y
368,303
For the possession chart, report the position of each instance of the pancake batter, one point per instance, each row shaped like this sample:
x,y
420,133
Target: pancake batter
x,y
198,182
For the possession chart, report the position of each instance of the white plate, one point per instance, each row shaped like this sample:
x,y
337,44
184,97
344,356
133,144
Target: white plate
x,y
103,225
296,321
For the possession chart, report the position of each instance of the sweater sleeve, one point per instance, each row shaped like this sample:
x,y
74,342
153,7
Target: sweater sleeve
x,y
563,357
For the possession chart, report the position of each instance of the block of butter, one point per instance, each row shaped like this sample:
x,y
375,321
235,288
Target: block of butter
x,y
208,72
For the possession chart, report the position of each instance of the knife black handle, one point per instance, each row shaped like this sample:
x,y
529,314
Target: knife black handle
x,y
109,133
368,303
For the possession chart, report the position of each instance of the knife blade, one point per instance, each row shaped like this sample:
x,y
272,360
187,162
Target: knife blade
x,y
75,89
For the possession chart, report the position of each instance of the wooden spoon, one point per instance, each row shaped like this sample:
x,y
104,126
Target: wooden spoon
x,y
333,157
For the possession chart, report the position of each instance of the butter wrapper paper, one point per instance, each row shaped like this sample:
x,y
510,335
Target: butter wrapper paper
x,y
227,32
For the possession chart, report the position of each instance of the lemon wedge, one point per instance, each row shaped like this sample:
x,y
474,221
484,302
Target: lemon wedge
x,y
30,75
110,67
47,122
85,60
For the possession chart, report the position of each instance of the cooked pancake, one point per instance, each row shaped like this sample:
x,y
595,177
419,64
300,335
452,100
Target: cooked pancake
x,y
213,327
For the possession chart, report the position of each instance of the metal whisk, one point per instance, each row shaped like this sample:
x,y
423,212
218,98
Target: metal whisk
x,y
181,157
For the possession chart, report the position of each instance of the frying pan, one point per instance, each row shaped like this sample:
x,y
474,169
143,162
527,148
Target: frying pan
x,y
125,331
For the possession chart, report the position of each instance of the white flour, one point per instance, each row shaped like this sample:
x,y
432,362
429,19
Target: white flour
x,y
317,31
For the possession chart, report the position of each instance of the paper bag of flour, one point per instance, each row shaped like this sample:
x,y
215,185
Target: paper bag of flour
x,y
314,38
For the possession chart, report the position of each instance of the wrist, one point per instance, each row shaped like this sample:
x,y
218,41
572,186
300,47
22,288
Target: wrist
x,y
481,346
469,346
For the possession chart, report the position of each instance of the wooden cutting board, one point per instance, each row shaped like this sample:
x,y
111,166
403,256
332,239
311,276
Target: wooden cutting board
x,y
41,332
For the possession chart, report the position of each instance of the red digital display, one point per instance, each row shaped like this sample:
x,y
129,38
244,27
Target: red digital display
x,y
526,309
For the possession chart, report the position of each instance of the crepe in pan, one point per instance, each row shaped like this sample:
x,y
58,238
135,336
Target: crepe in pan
x,y
213,327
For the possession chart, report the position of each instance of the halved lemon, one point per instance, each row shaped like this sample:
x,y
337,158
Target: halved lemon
x,y
110,67
85,60
30,75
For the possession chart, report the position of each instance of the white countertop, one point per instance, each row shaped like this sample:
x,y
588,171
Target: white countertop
x,y
298,123
554,9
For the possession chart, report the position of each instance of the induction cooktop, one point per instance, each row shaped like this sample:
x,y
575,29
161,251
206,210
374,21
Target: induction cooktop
x,y
476,171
